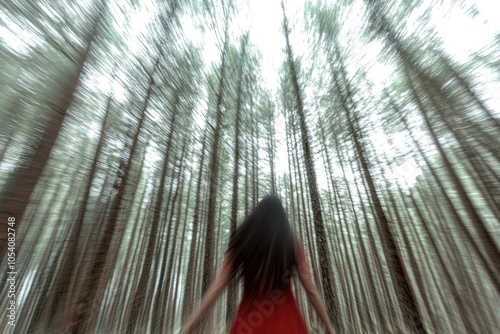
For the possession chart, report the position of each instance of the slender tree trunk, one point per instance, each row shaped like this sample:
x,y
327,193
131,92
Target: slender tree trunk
x,y
324,254
271,146
189,285
208,263
231,294
165,289
148,263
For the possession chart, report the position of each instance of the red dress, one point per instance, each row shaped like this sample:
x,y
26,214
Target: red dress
x,y
275,313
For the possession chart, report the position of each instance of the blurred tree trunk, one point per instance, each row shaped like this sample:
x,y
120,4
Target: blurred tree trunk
x,y
271,145
213,178
246,186
231,293
254,153
177,286
190,281
324,254
8,126
16,193
148,266
164,299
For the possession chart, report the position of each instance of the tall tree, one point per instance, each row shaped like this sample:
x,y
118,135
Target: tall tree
x,y
213,168
231,294
324,253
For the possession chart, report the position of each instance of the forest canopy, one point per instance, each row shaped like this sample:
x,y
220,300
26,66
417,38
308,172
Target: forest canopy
x,y
135,137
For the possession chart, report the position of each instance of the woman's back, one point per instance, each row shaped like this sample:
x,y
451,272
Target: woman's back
x,y
264,253
263,249
274,311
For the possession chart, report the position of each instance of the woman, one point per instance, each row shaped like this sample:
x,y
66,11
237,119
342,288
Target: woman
x,y
266,254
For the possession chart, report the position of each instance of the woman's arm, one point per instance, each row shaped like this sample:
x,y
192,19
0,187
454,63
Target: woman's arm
x,y
313,295
220,282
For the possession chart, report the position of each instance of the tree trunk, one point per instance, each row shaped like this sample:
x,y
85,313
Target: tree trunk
x,y
324,254
147,263
231,293
213,168
189,285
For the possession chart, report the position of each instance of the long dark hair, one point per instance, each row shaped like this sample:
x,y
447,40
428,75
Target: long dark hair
x,y
263,248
